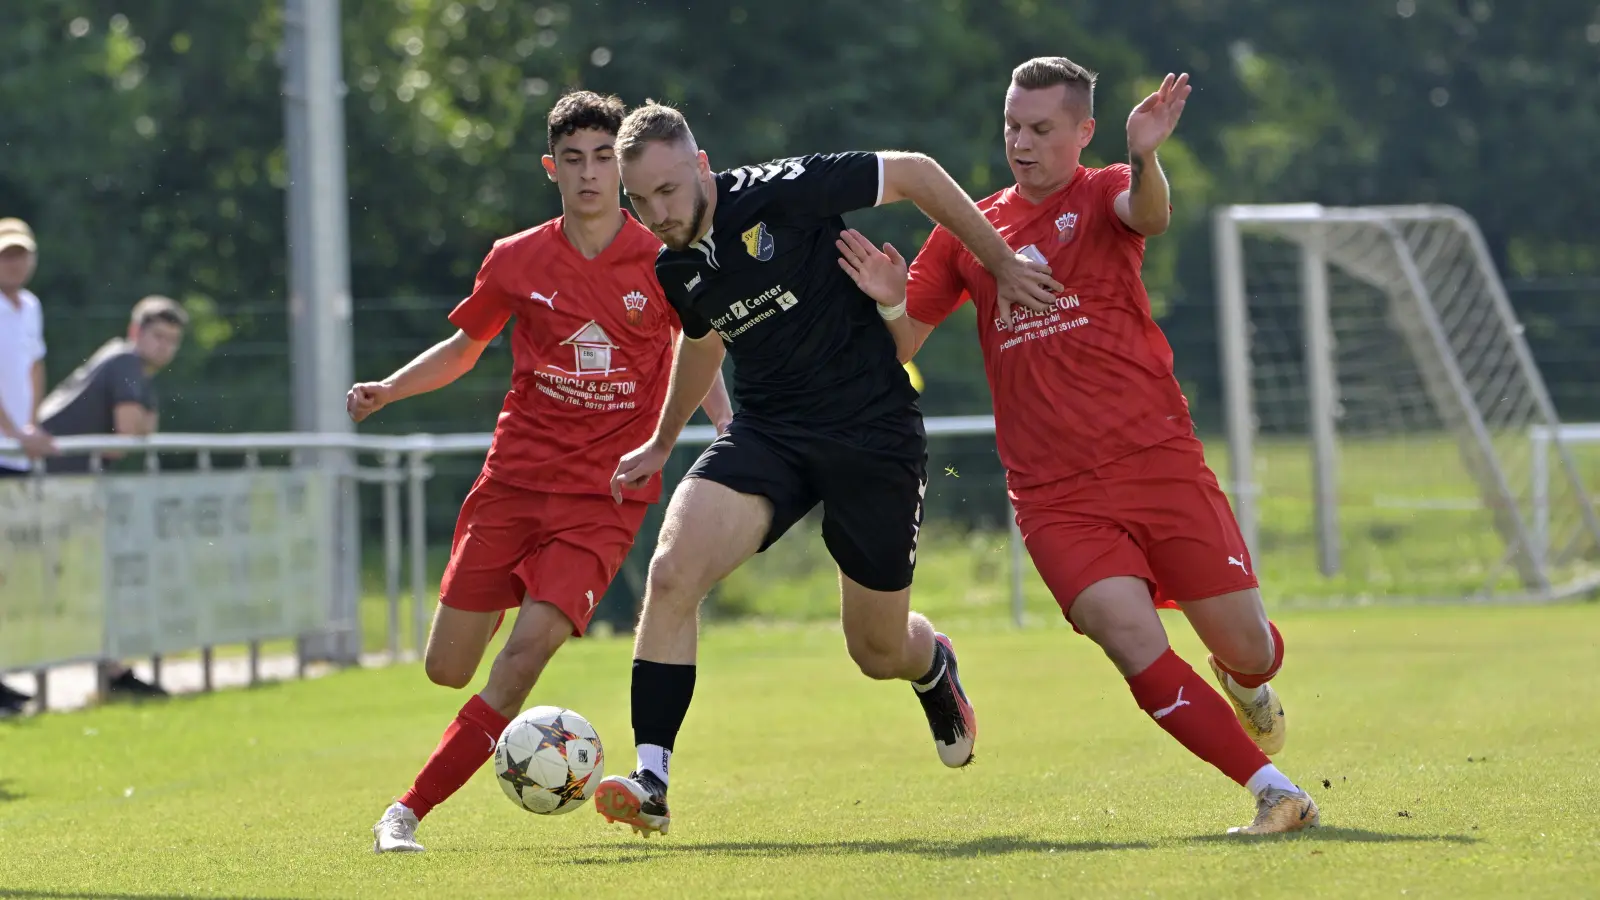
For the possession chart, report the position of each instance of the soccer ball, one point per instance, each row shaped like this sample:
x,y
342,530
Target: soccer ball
x,y
549,760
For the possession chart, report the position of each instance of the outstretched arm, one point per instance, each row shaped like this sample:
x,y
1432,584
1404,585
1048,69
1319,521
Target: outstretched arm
x,y
1146,206
695,367
918,178
915,177
433,368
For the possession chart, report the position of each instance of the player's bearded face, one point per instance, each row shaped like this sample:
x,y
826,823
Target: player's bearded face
x,y
697,218
667,191
1045,135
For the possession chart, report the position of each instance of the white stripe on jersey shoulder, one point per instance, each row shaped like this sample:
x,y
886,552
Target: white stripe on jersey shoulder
x,y
879,201
708,248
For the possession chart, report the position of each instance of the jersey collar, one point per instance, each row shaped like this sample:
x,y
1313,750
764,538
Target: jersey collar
x,y
707,246
1014,193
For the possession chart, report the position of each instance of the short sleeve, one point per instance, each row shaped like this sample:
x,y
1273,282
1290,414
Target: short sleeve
x,y
1111,182
488,308
694,326
822,185
934,289
126,381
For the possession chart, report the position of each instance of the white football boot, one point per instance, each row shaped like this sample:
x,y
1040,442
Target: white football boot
x,y
396,832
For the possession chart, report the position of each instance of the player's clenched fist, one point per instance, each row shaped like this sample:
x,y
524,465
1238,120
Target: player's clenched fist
x,y
366,398
636,468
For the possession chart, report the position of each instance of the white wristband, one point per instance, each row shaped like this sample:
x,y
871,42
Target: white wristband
x,y
890,313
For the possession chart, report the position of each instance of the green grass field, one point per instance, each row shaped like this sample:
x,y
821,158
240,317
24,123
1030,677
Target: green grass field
x,y
1452,751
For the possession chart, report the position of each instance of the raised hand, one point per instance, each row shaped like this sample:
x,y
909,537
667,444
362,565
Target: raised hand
x,y
1153,120
881,274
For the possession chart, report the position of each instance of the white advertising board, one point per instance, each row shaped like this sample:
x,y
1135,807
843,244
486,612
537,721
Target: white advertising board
x,y
214,558
52,585
130,565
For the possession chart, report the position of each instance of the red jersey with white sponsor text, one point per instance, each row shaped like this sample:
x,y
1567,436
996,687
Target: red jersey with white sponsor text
x,y
591,351
1088,382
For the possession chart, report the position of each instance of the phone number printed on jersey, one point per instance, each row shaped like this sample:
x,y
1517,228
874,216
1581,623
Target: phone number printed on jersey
x,y
602,396
1035,325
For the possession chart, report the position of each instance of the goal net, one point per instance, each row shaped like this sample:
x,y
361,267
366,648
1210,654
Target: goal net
x,y
1389,436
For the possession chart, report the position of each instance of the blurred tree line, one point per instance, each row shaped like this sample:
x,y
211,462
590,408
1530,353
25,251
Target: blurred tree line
x,y
143,141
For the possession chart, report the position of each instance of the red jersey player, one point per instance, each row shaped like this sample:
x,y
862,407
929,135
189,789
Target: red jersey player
x,y
539,531
1116,503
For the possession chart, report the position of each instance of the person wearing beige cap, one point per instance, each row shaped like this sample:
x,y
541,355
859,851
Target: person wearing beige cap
x,y
21,349
21,371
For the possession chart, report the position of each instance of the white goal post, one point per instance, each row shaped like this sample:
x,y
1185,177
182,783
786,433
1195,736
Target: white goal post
x,y
1389,434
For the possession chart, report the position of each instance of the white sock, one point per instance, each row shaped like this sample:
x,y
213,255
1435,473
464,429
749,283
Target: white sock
x,y
653,759
1268,777
1246,695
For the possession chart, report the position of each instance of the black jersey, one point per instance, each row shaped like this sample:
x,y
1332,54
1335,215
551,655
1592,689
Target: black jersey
x,y
808,347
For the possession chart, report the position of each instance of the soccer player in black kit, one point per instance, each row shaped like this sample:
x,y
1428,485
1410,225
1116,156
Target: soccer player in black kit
x,y
826,415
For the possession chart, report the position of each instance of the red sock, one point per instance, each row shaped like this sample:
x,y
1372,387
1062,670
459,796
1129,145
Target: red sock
x,y
467,744
1188,709
1246,680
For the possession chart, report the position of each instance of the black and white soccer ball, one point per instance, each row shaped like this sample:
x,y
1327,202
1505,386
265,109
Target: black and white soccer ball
x,y
549,760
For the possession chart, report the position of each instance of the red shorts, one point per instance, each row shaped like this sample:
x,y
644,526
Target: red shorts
x,y
1156,514
562,549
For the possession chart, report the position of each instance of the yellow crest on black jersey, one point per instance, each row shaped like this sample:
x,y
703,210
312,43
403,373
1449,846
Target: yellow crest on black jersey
x,y
758,242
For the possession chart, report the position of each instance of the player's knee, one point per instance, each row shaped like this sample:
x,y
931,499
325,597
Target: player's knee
x,y
672,581
1125,627
1130,650
1250,652
522,660
876,659
446,672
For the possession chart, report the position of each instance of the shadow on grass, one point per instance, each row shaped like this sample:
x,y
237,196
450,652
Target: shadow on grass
x,y
1002,845
8,795
1342,835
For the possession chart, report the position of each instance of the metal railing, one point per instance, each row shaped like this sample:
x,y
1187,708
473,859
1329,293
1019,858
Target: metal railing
x,y
401,472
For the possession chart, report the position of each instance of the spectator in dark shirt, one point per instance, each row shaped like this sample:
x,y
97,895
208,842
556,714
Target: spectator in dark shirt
x,y
113,393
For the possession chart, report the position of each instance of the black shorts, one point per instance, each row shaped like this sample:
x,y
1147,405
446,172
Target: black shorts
x,y
870,482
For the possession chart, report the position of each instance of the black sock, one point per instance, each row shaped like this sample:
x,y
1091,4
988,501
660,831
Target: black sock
x,y
936,669
661,695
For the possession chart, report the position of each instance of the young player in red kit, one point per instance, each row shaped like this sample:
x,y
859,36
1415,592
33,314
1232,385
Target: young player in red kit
x,y
539,531
1116,504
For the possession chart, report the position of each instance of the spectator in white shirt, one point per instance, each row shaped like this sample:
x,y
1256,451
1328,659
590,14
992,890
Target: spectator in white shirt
x,y
21,371
21,349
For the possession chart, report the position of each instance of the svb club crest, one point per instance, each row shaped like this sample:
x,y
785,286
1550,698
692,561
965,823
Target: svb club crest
x,y
635,301
1066,224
